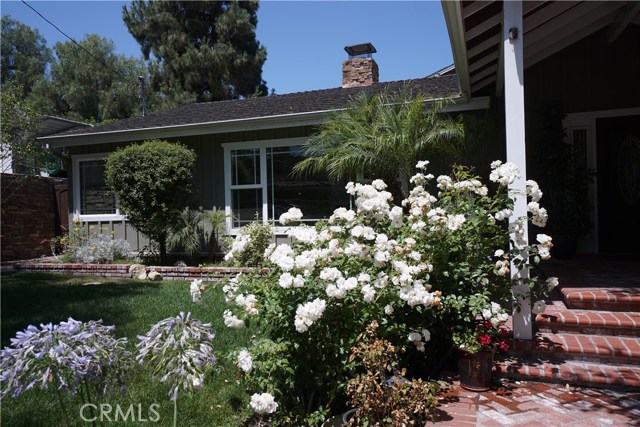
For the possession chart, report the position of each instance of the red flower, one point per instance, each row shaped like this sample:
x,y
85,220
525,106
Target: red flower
x,y
503,331
488,324
484,339
504,346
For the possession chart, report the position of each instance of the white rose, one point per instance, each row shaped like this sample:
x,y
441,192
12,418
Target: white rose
x,y
263,403
538,307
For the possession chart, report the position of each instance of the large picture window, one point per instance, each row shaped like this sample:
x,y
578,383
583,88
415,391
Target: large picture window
x,y
260,185
92,198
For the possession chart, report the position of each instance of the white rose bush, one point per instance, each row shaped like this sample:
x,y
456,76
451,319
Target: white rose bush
x,y
424,269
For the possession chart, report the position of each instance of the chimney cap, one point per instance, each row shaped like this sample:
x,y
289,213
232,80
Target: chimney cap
x,y
360,49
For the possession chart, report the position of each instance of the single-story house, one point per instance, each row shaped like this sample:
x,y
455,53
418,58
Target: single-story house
x,y
578,60
245,149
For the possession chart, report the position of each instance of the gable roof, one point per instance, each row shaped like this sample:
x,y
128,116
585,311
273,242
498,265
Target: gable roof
x,y
301,108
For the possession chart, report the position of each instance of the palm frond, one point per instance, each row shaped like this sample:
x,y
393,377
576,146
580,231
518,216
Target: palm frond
x,y
187,234
381,135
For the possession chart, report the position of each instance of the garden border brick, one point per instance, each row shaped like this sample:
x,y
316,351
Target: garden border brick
x,y
207,274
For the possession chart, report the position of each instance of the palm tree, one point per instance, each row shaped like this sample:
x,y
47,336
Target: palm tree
x,y
383,136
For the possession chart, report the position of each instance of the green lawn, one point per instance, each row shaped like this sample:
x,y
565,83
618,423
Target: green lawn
x,y
131,305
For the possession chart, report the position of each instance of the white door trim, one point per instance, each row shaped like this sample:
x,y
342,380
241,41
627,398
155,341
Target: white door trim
x,y
587,120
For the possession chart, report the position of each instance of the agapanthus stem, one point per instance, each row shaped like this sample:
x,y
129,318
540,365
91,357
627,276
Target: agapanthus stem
x,y
175,411
64,410
88,393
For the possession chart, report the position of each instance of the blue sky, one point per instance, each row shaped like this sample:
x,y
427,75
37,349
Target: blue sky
x,y
304,39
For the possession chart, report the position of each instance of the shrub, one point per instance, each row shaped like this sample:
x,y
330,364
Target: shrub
x,y
247,249
190,233
102,249
423,271
84,245
153,184
187,233
217,219
381,394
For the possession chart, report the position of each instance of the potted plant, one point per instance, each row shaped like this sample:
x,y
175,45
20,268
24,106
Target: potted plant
x,y
477,344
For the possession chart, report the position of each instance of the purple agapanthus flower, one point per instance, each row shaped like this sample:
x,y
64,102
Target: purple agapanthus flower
x,y
179,352
63,356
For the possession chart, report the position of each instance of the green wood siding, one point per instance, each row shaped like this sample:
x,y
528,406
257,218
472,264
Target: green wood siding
x,y
208,178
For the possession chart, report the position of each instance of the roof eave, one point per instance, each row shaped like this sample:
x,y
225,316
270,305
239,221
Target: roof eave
x,y
64,120
214,127
455,26
461,103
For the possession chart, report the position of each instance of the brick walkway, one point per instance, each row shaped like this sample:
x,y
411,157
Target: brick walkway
x,y
531,404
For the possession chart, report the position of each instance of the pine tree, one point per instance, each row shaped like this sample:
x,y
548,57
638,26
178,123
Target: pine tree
x,y
200,50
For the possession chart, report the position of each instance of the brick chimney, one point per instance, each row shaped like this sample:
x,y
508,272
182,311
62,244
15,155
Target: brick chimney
x,y
360,69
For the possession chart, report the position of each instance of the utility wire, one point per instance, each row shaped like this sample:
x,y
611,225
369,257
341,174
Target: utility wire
x,y
76,43
119,73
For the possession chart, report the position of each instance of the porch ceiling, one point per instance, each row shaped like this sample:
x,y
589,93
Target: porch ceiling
x,y
475,30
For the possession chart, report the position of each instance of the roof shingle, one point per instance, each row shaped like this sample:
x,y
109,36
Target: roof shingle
x,y
275,105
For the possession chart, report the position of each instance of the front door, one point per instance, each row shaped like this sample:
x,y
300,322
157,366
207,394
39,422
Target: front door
x,y
618,176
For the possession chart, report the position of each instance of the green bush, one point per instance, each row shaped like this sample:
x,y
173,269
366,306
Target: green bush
x,y
153,184
247,249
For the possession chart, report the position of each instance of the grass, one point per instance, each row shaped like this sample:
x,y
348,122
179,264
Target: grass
x,y
133,306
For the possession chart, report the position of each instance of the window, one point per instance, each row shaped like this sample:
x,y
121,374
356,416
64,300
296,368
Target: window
x,y
92,199
260,185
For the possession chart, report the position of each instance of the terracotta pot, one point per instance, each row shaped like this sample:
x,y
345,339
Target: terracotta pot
x,y
475,370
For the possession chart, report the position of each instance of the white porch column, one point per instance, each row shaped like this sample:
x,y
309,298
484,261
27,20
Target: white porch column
x,y
516,153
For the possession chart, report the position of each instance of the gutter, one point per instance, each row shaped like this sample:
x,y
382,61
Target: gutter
x,y
455,26
461,103
207,128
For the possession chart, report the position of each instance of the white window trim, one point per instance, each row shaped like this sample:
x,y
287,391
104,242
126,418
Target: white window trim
x,y
76,191
262,145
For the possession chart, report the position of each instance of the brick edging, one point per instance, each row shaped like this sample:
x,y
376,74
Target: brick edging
x,y
208,274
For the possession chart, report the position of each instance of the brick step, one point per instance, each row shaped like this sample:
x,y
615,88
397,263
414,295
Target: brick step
x,y
590,322
568,372
587,348
609,299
